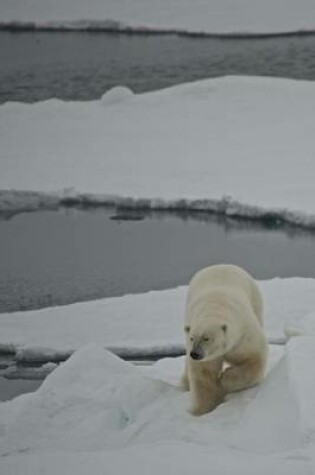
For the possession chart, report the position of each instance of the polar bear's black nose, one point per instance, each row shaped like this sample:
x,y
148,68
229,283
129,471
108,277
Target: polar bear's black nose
x,y
195,356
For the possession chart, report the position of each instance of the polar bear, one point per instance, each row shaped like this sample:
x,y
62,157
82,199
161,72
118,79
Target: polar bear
x,y
226,348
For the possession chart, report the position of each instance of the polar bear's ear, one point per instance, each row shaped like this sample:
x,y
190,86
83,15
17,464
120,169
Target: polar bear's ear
x,y
224,328
187,328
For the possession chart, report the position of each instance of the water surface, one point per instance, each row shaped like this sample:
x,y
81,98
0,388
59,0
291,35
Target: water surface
x,y
82,66
68,255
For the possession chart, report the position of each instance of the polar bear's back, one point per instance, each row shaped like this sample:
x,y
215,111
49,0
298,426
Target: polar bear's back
x,y
227,276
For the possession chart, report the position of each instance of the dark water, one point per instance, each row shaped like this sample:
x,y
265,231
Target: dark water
x,y
12,388
58,257
37,66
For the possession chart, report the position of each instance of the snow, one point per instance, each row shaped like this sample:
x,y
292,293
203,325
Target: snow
x,y
212,16
148,324
98,414
235,145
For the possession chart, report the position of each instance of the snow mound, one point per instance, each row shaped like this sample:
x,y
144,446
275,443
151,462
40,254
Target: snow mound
x,y
98,414
96,400
116,95
92,400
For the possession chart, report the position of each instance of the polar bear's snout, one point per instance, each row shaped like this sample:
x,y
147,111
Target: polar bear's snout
x,y
196,355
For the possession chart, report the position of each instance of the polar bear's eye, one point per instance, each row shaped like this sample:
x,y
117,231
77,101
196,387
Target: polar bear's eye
x,y
191,338
205,338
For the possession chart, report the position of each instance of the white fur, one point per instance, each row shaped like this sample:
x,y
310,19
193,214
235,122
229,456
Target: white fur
x,y
223,324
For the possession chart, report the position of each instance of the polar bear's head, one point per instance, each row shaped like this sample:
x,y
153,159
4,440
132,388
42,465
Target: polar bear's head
x,y
210,339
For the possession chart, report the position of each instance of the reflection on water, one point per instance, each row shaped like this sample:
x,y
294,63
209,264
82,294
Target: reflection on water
x,y
67,255
38,66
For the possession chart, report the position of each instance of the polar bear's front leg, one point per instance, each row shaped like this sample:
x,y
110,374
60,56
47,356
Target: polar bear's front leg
x,y
184,382
206,390
243,375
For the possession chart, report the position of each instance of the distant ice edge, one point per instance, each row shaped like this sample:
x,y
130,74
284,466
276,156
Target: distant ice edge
x,y
12,202
115,26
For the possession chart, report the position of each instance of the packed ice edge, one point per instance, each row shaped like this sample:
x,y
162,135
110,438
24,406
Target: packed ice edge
x,y
13,202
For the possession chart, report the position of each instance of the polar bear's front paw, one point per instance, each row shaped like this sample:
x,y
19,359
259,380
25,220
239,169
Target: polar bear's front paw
x,y
200,409
197,411
204,402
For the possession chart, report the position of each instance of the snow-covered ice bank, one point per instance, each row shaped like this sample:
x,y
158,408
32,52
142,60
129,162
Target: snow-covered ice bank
x,y
235,145
212,16
147,324
97,413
